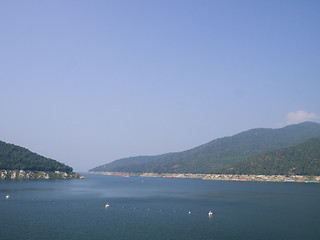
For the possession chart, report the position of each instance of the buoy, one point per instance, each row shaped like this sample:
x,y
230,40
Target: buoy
x,y
189,212
107,205
210,213
7,196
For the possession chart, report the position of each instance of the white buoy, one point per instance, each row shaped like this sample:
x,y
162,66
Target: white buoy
x,y
210,213
7,196
107,205
189,212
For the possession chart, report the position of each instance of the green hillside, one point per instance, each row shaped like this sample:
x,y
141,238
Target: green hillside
x,y
13,157
218,153
303,159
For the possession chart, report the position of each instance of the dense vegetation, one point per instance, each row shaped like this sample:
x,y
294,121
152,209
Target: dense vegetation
x,y
13,157
218,153
303,159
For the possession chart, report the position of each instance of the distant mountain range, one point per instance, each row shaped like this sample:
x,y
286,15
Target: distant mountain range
x,y
232,154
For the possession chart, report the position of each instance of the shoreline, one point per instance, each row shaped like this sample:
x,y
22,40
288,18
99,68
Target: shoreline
x,y
30,175
220,177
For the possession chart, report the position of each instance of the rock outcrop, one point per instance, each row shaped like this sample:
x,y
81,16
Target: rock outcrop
x,y
24,175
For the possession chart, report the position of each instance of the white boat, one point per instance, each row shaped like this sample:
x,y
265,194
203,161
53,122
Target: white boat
x,y
107,205
7,196
210,213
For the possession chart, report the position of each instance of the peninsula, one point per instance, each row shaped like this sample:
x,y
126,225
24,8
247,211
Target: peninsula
x,y
20,163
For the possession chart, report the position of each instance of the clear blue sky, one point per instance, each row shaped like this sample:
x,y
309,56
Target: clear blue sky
x,y
88,82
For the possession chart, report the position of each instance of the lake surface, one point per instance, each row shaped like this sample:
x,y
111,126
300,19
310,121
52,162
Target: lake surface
x,y
158,208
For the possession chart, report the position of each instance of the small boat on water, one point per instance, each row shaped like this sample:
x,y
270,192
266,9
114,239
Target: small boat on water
x,y
210,213
239,179
311,181
7,196
107,205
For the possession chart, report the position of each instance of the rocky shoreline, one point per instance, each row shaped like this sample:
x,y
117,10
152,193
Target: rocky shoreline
x,y
25,175
222,177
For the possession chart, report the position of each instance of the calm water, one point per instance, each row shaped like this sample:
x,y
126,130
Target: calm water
x,y
158,208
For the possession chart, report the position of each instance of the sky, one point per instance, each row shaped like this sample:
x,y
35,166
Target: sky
x,y
89,82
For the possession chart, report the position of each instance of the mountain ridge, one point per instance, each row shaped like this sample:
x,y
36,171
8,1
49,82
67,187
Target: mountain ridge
x,y
20,163
301,159
217,153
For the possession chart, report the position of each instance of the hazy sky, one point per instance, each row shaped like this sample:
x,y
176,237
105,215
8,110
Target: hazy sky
x,y
88,82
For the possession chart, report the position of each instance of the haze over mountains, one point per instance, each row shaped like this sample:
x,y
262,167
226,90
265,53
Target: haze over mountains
x,y
222,155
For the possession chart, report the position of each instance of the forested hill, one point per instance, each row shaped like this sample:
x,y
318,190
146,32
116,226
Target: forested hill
x,y
13,157
218,153
303,159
